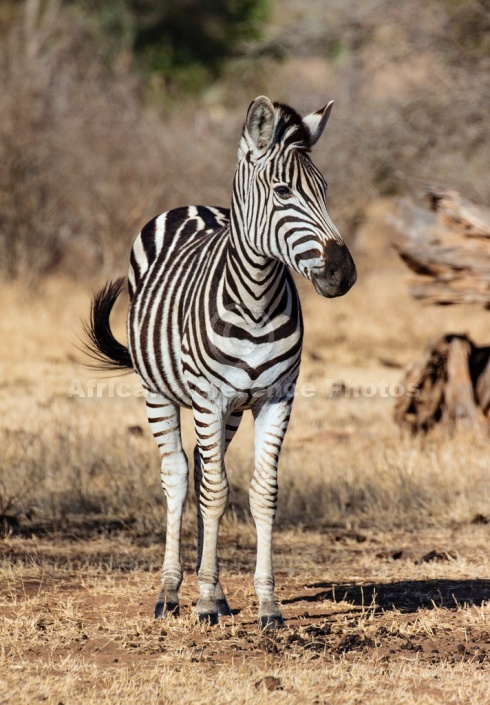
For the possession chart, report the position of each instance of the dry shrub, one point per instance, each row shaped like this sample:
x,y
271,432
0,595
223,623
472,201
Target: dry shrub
x,y
64,146
87,159
84,165
410,83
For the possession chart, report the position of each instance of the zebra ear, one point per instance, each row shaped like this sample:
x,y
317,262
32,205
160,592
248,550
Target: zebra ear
x,y
316,122
259,123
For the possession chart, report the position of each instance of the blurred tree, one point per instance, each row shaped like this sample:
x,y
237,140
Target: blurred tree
x,y
468,29
182,38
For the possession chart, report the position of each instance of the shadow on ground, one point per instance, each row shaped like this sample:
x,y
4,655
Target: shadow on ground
x,y
406,596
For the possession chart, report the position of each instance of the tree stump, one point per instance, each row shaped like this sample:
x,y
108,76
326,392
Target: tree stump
x,y
447,246
449,385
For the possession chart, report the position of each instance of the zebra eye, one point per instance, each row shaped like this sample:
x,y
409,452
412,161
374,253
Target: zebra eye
x,y
283,191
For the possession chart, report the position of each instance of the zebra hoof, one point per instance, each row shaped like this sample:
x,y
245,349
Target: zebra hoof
x,y
210,618
163,609
270,623
223,608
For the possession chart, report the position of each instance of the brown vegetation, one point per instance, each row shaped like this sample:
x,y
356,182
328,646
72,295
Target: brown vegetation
x,y
89,152
77,442
84,164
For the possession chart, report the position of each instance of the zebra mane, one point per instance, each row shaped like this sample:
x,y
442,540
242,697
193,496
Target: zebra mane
x,y
289,130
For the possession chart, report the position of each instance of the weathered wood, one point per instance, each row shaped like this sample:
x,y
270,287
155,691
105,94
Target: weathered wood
x,y
458,212
449,385
481,372
419,408
460,405
447,245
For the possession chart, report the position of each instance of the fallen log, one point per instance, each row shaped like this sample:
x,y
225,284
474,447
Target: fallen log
x,y
447,246
449,385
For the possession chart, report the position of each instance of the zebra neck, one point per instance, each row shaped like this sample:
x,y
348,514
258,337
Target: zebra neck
x,y
251,282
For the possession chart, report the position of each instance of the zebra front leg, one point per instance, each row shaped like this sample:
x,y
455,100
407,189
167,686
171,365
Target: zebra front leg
x,y
164,418
212,496
231,428
271,421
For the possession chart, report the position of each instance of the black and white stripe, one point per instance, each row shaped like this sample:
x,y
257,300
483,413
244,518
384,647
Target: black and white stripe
x,y
215,325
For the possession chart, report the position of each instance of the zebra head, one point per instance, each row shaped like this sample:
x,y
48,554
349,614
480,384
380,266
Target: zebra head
x,y
280,197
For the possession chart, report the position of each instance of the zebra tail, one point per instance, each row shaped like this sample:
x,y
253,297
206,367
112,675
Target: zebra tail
x,y
100,343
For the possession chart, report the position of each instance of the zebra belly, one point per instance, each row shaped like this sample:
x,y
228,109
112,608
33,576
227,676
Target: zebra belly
x,y
160,351
179,378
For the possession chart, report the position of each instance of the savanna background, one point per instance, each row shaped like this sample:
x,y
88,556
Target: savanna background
x,y
112,112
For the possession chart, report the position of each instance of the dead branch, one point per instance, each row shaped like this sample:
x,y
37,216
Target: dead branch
x,y
447,246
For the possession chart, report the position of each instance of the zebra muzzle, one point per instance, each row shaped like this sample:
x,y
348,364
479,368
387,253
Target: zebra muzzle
x,y
339,273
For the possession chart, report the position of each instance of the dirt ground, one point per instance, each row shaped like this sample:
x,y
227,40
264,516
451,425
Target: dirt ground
x,y
413,604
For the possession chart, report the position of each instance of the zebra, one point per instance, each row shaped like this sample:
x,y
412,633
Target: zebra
x,y
215,325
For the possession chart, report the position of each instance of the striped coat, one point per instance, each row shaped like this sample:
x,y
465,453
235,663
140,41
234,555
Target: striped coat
x,y
215,325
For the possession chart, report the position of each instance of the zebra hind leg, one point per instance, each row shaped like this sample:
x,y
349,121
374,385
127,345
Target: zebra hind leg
x,y
164,419
222,606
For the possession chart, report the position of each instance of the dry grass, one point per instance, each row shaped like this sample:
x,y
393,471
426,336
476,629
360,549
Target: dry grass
x,y
68,451
76,623
369,619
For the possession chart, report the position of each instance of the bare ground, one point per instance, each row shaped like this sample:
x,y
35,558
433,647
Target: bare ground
x,y
410,606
